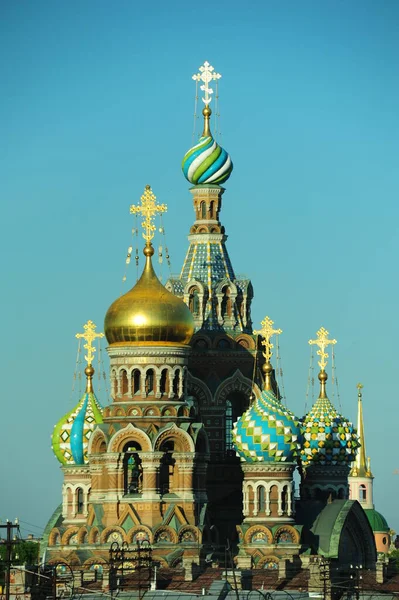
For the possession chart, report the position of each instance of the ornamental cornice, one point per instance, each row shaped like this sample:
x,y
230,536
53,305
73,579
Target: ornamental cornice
x,y
81,469
137,352
267,468
207,237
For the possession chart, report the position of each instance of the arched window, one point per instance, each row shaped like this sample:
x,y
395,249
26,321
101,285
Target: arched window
x,y
229,425
176,380
284,498
194,302
136,382
362,493
164,382
124,386
226,307
261,499
203,210
149,382
79,501
132,470
211,209
167,468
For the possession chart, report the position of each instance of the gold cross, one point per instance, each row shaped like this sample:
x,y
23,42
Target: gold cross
x,y
148,209
322,342
89,335
359,389
266,332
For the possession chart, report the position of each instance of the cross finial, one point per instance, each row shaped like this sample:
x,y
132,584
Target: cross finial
x,y
89,335
359,389
322,342
206,74
148,209
266,332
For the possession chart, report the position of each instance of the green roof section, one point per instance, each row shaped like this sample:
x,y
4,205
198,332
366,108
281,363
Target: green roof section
x,y
377,521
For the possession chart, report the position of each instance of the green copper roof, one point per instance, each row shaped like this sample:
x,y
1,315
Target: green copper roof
x,y
376,520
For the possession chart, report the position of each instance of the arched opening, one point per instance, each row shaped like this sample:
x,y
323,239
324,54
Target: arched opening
x,y
149,382
212,210
79,501
284,499
124,383
164,382
203,210
261,499
228,419
167,468
136,382
239,403
176,381
273,494
226,307
194,301
362,493
132,469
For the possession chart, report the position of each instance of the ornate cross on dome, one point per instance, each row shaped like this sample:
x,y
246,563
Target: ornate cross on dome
x,y
148,209
89,335
266,332
206,74
322,342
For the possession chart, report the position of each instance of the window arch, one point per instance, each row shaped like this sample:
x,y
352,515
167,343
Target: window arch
x,y
203,210
136,381
79,500
228,420
261,499
226,307
149,381
176,381
362,493
132,469
194,301
164,382
124,386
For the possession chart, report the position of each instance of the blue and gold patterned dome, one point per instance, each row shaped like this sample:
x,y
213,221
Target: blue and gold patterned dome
x,y
267,431
71,434
328,437
207,162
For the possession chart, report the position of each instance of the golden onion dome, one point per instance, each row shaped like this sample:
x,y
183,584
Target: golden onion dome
x,y
148,313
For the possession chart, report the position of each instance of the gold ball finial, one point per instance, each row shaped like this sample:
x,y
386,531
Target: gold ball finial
x,y
323,376
89,371
206,111
267,368
148,250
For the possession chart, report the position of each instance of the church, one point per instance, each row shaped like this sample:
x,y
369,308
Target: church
x,y
197,452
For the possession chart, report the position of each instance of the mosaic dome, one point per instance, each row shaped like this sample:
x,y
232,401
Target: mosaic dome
x,y
71,434
328,438
267,431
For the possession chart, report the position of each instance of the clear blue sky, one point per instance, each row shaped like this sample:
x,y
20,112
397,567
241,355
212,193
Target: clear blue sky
x,y
97,101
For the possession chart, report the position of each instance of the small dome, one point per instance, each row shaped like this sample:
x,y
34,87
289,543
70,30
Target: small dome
x,y
148,313
71,435
328,438
267,431
377,521
207,162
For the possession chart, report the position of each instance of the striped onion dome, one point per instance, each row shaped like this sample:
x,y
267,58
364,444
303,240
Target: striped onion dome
x,y
207,162
70,438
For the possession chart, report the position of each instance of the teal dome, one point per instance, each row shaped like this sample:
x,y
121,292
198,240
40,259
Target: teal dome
x,y
207,162
377,521
328,437
71,434
267,432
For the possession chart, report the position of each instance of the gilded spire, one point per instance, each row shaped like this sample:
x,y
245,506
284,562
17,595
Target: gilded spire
x,y
322,342
148,209
361,467
267,332
89,336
